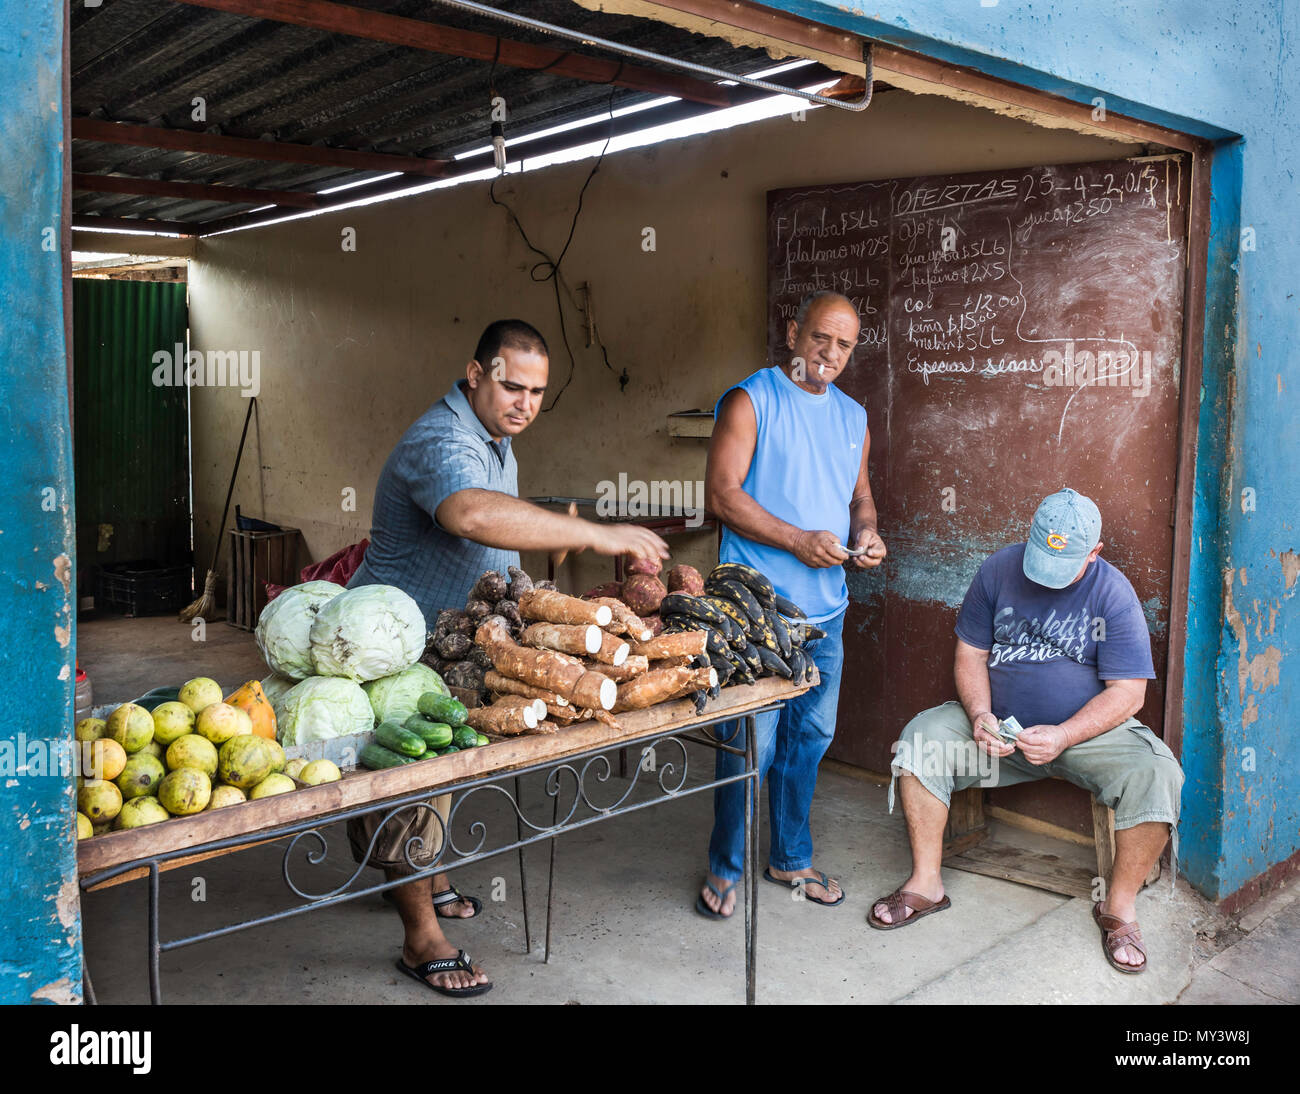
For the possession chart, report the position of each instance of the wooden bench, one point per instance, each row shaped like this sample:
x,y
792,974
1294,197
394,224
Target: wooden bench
x,y
966,846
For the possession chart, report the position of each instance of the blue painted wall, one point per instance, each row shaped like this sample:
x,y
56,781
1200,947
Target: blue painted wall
x,y
40,921
1217,70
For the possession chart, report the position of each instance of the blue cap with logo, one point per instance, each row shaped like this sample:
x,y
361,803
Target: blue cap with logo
x,y
1067,526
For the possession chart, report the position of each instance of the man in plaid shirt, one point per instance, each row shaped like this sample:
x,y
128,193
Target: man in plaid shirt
x,y
446,509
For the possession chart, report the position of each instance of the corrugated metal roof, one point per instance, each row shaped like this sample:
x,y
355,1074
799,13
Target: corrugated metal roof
x,y
144,61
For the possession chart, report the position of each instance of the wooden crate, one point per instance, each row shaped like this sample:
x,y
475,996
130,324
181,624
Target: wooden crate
x,y
256,558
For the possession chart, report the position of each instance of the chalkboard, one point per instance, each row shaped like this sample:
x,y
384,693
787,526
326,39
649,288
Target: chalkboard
x,y
1021,331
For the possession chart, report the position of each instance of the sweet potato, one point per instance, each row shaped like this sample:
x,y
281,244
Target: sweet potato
x,y
685,579
636,564
600,592
643,593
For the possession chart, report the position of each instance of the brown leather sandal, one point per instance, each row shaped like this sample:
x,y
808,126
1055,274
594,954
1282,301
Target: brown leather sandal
x,y
1116,933
895,904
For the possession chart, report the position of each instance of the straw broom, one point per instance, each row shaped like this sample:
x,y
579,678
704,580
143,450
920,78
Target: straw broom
x,y
207,603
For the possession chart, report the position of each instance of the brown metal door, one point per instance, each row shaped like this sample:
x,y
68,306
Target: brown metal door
x,y
1021,332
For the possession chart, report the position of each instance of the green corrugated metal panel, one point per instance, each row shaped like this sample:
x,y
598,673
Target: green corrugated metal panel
x,y
131,454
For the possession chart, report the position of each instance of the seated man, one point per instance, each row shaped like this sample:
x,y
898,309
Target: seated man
x,y
1055,637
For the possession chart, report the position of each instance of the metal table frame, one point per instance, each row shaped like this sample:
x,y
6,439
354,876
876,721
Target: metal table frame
x,y
573,770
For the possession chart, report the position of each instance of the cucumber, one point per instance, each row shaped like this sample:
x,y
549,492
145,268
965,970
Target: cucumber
x,y
465,737
400,740
435,735
482,740
441,708
448,750
377,757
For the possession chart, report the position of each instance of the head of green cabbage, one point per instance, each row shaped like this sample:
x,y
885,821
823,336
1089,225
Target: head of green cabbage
x,y
275,687
322,707
394,698
367,632
284,628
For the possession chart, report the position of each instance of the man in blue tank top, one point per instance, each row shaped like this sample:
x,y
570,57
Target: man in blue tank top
x,y
787,476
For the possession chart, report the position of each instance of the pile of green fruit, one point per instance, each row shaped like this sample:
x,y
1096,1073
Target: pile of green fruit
x,y
437,728
752,629
192,754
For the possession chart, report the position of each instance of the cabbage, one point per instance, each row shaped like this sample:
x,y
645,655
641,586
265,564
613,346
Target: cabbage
x,y
394,698
367,632
284,628
275,687
322,707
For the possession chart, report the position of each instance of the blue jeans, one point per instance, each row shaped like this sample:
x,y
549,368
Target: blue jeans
x,y
789,744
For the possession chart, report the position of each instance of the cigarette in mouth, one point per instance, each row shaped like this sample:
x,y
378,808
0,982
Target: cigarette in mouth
x,y
821,370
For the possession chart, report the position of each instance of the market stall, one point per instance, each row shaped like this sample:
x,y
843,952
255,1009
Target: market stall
x,y
568,681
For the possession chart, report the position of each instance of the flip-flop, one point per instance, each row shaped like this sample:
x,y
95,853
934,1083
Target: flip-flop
x,y
708,912
451,895
1120,934
442,899
897,901
460,962
799,882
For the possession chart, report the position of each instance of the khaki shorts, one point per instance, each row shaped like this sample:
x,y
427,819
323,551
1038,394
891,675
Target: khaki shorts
x,y
1128,768
414,822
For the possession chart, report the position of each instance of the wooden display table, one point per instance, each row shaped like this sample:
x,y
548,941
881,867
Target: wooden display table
x,y
566,756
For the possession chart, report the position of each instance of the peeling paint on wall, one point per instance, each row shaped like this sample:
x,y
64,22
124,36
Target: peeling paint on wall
x,y
1290,567
63,992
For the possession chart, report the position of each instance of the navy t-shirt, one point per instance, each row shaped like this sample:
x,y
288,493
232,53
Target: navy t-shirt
x,y
1050,649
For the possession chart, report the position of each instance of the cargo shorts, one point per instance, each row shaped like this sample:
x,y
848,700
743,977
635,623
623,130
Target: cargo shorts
x,y
1129,768
390,852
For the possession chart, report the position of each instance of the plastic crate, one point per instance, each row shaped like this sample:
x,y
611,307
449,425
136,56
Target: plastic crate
x,y
143,587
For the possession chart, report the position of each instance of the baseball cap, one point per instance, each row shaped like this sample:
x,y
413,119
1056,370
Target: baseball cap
x,y
1066,527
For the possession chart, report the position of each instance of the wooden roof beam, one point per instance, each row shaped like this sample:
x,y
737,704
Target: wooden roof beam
x,y
399,30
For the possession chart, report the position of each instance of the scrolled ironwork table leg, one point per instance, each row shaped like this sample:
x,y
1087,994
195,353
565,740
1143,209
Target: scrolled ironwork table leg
x,y
523,883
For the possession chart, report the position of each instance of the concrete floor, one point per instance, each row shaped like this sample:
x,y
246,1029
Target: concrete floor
x,y
623,928
127,657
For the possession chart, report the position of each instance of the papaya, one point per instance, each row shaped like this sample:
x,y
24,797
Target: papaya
x,y
252,701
